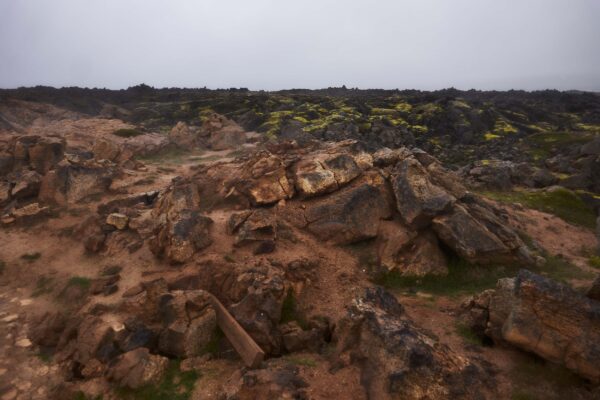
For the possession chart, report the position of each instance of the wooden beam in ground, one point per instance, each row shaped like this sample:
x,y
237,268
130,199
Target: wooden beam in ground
x,y
246,347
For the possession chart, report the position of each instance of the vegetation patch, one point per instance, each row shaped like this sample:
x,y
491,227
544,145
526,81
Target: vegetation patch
x,y
127,132
561,202
43,286
302,361
463,279
31,257
467,334
535,378
290,312
80,281
594,261
176,385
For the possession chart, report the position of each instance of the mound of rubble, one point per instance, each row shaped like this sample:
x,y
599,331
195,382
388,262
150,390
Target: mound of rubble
x,y
416,210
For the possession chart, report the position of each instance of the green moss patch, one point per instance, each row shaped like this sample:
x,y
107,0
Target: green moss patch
x,y
561,202
127,132
176,385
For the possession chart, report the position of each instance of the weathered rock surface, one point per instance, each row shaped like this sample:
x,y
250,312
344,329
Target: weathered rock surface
x,y
180,229
417,198
138,368
183,136
397,360
189,323
544,317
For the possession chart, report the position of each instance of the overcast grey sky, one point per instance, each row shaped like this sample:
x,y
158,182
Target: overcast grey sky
x,y
276,44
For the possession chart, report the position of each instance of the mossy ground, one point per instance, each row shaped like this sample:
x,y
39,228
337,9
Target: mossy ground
x,y
561,202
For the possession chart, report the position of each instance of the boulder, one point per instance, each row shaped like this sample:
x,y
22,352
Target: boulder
x,y
265,180
180,230
183,136
411,254
27,184
46,153
396,359
189,322
482,238
222,132
257,298
324,173
546,318
182,236
418,200
117,220
253,226
312,178
138,368
350,214
104,149
30,213
71,182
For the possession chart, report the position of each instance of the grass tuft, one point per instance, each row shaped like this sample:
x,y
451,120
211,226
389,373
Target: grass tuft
x,y
31,257
80,281
176,385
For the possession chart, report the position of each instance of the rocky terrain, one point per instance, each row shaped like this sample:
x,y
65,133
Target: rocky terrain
x,y
197,244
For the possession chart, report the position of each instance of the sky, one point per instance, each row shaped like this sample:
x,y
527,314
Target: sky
x,y
283,44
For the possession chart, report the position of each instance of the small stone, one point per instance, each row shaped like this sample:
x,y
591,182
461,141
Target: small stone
x,y
43,370
10,318
25,302
117,220
23,342
23,385
2,371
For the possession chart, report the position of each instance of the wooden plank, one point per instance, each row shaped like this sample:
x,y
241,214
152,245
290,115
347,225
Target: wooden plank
x,y
246,347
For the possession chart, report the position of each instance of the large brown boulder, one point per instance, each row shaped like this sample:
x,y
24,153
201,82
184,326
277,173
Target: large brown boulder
x,y
183,136
180,229
351,214
189,323
258,225
257,296
409,253
539,315
265,180
418,200
222,132
396,359
324,173
71,182
476,233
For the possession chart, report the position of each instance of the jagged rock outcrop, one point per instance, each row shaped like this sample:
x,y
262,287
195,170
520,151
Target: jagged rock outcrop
x,y
541,316
180,229
417,198
343,195
397,360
